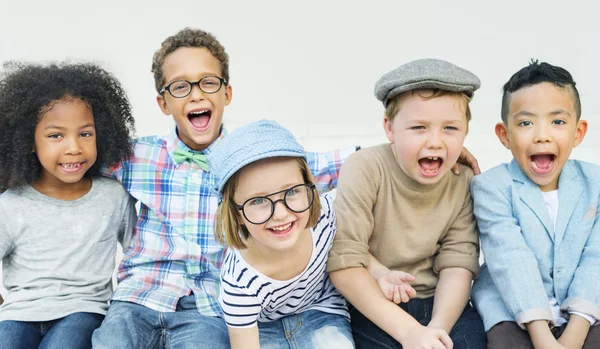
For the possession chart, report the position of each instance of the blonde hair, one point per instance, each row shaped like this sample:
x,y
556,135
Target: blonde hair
x,y
228,230
394,105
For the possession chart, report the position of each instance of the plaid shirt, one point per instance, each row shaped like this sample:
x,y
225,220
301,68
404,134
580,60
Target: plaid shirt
x,y
173,251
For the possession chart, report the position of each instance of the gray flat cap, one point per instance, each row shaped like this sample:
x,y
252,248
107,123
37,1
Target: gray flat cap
x,y
425,73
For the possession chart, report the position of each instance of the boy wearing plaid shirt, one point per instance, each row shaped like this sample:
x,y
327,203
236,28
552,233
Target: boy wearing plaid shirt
x,y
169,276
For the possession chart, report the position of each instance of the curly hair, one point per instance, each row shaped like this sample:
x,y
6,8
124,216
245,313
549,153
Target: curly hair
x,y
188,37
29,90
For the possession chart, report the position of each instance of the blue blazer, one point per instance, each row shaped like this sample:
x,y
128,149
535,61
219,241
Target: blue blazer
x,y
527,261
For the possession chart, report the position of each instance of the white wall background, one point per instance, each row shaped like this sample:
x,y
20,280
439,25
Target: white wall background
x,y
311,65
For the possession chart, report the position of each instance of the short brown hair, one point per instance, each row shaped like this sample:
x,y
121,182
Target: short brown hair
x,y
394,105
229,232
188,37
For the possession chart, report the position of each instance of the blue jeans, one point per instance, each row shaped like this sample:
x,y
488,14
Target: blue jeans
x,y
133,326
467,333
72,331
311,329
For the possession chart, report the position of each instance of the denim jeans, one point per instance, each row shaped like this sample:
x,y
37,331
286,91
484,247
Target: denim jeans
x,y
133,326
72,331
467,333
310,329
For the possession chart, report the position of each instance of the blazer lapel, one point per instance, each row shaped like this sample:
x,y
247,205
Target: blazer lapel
x,y
569,192
531,195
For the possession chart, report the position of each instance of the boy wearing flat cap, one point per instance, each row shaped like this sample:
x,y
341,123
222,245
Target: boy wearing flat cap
x,y
400,209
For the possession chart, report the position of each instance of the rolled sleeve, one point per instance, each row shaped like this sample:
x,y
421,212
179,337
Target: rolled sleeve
x,y
582,306
347,254
530,315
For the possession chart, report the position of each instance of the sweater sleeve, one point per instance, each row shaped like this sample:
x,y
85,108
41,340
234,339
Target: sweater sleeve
x,y
460,245
355,198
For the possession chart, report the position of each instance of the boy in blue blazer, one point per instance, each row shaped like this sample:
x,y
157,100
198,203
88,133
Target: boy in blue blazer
x,y
539,222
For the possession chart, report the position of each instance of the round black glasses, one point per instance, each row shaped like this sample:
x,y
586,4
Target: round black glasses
x,y
182,88
259,209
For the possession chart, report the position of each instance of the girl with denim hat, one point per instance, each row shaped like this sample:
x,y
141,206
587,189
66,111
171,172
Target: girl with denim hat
x,y
275,292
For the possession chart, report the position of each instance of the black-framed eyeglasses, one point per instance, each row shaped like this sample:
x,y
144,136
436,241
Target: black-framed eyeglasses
x,y
182,88
259,209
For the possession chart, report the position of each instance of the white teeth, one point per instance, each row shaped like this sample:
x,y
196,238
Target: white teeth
x,y
432,158
70,166
282,228
199,112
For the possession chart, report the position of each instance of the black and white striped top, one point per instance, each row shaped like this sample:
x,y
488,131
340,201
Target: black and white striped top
x,y
247,296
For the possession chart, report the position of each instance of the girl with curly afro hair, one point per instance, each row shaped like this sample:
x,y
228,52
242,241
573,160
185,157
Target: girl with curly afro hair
x,y
59,220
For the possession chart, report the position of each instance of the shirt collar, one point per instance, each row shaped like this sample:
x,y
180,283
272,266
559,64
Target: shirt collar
x,y
173,142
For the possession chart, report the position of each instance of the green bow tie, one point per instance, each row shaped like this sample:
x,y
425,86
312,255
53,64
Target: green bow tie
x,y
181,155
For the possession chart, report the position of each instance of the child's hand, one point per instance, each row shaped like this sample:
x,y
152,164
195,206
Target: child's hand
x,y
395,287
467,159
428,338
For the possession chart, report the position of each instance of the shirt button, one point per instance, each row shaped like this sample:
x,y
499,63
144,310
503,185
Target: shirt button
x,y
195,176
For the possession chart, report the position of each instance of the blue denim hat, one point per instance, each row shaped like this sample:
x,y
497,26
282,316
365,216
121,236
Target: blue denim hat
x,y
250,143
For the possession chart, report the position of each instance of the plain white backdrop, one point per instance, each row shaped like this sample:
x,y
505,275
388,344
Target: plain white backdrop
x,y
312,65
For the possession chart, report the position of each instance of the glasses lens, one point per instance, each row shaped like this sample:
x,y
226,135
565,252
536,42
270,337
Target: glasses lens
x,y
299,198
258,210
180,88
210,84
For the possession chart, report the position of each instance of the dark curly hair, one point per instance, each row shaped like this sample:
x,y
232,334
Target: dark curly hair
x,y
28,90
188,37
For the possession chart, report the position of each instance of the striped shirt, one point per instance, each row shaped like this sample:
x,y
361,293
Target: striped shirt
x,y
247,296
173,252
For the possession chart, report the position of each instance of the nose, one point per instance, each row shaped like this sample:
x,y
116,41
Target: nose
x,y
434,140
279,211
542,134
73,146
196,93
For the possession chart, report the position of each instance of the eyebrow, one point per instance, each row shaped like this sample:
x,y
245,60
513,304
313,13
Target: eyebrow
x,y
283,188
552,113
64,128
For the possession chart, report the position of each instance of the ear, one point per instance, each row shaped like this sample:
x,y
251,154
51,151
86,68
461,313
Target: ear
x,y
502,133
387,126
162,104
228,94
580,132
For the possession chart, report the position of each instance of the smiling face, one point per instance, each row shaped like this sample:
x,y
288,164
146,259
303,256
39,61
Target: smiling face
x,y
65,143
283,230
541,131
198,116
427,135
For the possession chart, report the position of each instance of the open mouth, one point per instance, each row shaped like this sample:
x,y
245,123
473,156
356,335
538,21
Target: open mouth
x,y
72,166
282,230
542,163
431,166
200,119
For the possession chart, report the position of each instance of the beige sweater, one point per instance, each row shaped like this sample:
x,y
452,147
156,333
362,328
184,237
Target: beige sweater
x,y
420,229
